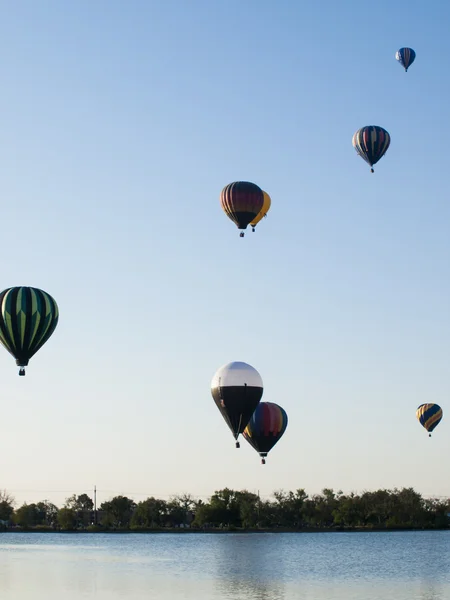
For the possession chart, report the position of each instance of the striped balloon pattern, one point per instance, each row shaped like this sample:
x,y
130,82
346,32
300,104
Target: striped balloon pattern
x,y
405,57
371,143
242,201
429,416
265,428
28,317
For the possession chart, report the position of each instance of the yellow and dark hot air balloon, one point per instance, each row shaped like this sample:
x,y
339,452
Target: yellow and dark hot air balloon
x,y
263,212
242,201
429,416
28,317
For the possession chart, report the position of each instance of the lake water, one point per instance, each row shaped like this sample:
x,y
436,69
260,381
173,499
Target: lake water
x,y
308,566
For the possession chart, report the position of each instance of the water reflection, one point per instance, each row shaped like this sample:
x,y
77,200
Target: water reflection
x,y
430,591
244,568
248,589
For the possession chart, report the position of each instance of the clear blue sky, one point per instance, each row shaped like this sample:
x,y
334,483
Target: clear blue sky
x,y
120,124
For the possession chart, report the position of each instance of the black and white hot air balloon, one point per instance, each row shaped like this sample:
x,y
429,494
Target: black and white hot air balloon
x,y
237,389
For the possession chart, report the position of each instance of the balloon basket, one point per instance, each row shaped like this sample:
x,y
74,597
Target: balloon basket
x,y
238,445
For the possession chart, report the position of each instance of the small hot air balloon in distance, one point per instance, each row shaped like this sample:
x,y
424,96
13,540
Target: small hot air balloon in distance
x,y
265,428
263,212
242,202
405,57
429,416
371,143
237,389
28,317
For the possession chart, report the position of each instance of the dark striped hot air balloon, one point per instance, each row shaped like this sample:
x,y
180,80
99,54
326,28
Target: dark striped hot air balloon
x,y
429,416
28,317
242,201
371,143
405,57
237,389
265,428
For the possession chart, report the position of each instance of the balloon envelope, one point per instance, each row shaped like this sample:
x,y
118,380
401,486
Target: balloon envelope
x,y
263,212
28,317
405,57
242,201
429,416
237,389
371,143
265,428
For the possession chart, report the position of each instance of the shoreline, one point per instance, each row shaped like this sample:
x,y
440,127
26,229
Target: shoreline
x,y
177,530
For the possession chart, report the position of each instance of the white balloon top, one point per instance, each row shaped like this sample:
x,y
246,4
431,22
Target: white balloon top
x,y
236,374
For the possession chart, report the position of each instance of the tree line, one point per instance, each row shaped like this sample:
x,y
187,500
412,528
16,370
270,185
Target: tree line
x,y
234,510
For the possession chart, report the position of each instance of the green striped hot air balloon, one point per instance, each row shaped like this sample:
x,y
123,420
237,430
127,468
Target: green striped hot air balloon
x,y
28,317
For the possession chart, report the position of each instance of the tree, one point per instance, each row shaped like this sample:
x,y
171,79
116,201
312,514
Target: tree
x,y
27,516
67,519
180,510
291,508
409,508
48,512
82,507
397,508
149,514
203,515
176,514
436,512
248,508
6,505
79,503
117,512
186,501
326,503
34,515
349,512
228,508
225,508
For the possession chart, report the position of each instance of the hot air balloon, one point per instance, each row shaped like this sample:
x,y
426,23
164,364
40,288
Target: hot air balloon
x,y
242,201
265,428
263,212
28,317
237,389
405,57
429,416
371,143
